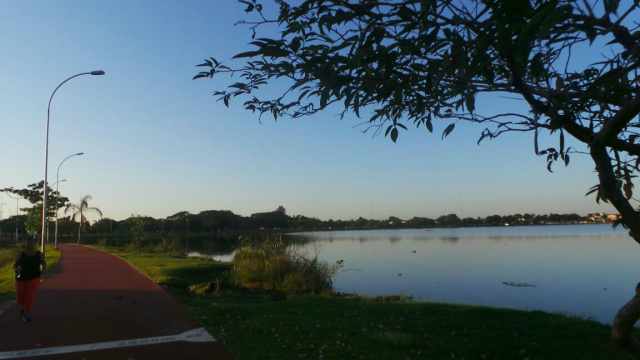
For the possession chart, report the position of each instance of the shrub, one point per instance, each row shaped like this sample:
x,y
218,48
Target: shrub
x,y
170,244
273,265
138,232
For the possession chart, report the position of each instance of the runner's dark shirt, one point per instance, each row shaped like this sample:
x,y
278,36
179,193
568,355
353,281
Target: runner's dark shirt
x,y
30,266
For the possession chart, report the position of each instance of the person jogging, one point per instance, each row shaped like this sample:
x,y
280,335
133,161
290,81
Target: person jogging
x,y
28,268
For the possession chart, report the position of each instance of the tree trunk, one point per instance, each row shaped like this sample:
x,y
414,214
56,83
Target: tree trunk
x,y
629,314
623,325
80,230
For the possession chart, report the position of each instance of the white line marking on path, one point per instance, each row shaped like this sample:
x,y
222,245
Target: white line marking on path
x,y
196,335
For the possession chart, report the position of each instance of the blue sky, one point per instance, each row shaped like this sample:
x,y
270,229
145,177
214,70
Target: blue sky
x,y
155,142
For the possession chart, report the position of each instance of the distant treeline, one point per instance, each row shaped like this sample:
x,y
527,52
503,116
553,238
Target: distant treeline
x,y
224,220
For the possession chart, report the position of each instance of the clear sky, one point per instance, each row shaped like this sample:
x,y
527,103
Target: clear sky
x,y
156,143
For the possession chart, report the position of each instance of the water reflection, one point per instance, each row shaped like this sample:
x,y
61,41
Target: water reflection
x,y
224,257
451,239
587,270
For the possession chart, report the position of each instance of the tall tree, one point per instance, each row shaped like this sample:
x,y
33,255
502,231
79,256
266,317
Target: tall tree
x,y
79,210
179,221
104,226
572,66
34,194
138,230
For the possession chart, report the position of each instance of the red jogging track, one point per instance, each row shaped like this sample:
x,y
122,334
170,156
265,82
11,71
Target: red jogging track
x,y
95,300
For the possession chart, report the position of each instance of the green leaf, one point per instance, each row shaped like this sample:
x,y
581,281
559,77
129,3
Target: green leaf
x,y
536,66
611,6
611,75
481,138
394,134
592,190
356,105
448,130
406,13
250,6
628,190
470,101
386,133
203,75
247,54
295,44
206,63
550,17
324,98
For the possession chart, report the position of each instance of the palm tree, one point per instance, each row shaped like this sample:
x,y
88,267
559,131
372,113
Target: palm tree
x,y
81,209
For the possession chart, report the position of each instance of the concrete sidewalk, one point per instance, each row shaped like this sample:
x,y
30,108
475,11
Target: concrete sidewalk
x,y
96,306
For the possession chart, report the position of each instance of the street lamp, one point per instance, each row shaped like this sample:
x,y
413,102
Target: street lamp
x,y
46,160
56,185
58,194
63,180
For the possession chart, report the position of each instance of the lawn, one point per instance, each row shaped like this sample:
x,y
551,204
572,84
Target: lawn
x,y
274,325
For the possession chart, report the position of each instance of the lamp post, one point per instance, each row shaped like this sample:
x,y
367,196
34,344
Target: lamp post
x,y
56,185
58,195
45,191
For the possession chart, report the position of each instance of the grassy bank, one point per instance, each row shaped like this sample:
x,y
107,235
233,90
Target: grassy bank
x,y
8,255
273,325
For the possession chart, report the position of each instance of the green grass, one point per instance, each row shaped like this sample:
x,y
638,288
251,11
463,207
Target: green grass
x,y
171,270
8,255
276,325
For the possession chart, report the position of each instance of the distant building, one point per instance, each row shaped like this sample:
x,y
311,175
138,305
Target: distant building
x,y
597,218
281,209
603,218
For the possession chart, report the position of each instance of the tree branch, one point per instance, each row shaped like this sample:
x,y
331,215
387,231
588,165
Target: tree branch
x,y
610,190
617,123
620,32
621,145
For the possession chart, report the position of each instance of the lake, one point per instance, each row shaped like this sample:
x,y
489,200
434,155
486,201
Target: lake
x,y
585,270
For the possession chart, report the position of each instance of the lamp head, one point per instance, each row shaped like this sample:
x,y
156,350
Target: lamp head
x,y
80,153
97,72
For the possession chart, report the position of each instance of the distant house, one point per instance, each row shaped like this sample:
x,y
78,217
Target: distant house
x,y
603,218
596,218
612,217
281,209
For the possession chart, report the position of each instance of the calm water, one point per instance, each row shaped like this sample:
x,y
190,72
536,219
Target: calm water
x,y
587,270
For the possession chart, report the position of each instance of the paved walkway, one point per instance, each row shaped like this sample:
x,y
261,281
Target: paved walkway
x,y
96,306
